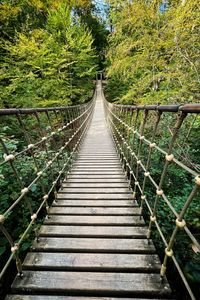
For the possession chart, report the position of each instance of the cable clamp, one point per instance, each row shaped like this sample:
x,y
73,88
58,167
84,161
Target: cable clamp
x,y
159,192
169,157
152,145
24,190
181,223
15,248
8,157
2,219
30,146
169,252
34,217
136,183
139,162
44,138
197,180
49,162
45,197
39,173
141,137
143,197
153,218
146,174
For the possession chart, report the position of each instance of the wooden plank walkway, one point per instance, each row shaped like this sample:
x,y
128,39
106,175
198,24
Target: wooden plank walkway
x,y
94,244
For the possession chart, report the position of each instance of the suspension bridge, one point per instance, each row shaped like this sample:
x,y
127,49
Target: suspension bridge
x,y
94,242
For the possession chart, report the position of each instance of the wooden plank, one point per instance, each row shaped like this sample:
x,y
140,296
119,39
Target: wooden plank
x,y
92,262
96,180
96,176
95,185
95,153
101,159
91,282
97,211
46,297
97,171
90,220
91,245
108,163
93,231
97,168
97,157
96,203
88,190
94,196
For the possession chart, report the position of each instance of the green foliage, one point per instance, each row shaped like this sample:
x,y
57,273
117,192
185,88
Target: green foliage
x,y
153,56
44,65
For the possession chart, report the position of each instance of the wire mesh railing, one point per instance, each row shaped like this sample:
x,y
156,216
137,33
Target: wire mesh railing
x,y
37,147
159,149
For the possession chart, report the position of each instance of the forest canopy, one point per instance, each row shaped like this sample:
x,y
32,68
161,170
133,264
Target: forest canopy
x,y
153,54
52,49
49,52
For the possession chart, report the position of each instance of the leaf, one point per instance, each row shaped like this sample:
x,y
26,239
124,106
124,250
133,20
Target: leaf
x,y
2,250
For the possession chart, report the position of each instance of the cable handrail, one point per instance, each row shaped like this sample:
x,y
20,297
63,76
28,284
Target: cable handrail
x,y
136,143
58,133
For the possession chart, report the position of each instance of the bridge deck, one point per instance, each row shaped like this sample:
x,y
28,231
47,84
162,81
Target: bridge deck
x,y
94,244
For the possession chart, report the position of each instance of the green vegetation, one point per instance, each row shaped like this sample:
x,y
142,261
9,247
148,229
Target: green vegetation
x,y
48,52
153,55
153,58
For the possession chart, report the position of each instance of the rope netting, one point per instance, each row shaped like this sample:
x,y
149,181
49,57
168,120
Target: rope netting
x,y
37,147
154,145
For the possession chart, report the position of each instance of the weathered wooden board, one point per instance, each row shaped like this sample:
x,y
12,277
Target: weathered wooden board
x,y
94,196
93,262
97,159
88,190
96,176
98,220
92,283
46,297
95,185
96,180
96,163
107,245
97,168
95,203
98,211
93,231
97,172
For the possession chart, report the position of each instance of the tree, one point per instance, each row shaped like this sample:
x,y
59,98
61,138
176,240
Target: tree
x,y
153,56
39,64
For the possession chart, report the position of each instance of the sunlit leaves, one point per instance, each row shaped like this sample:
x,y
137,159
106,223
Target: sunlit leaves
x,y
45,66
154,55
